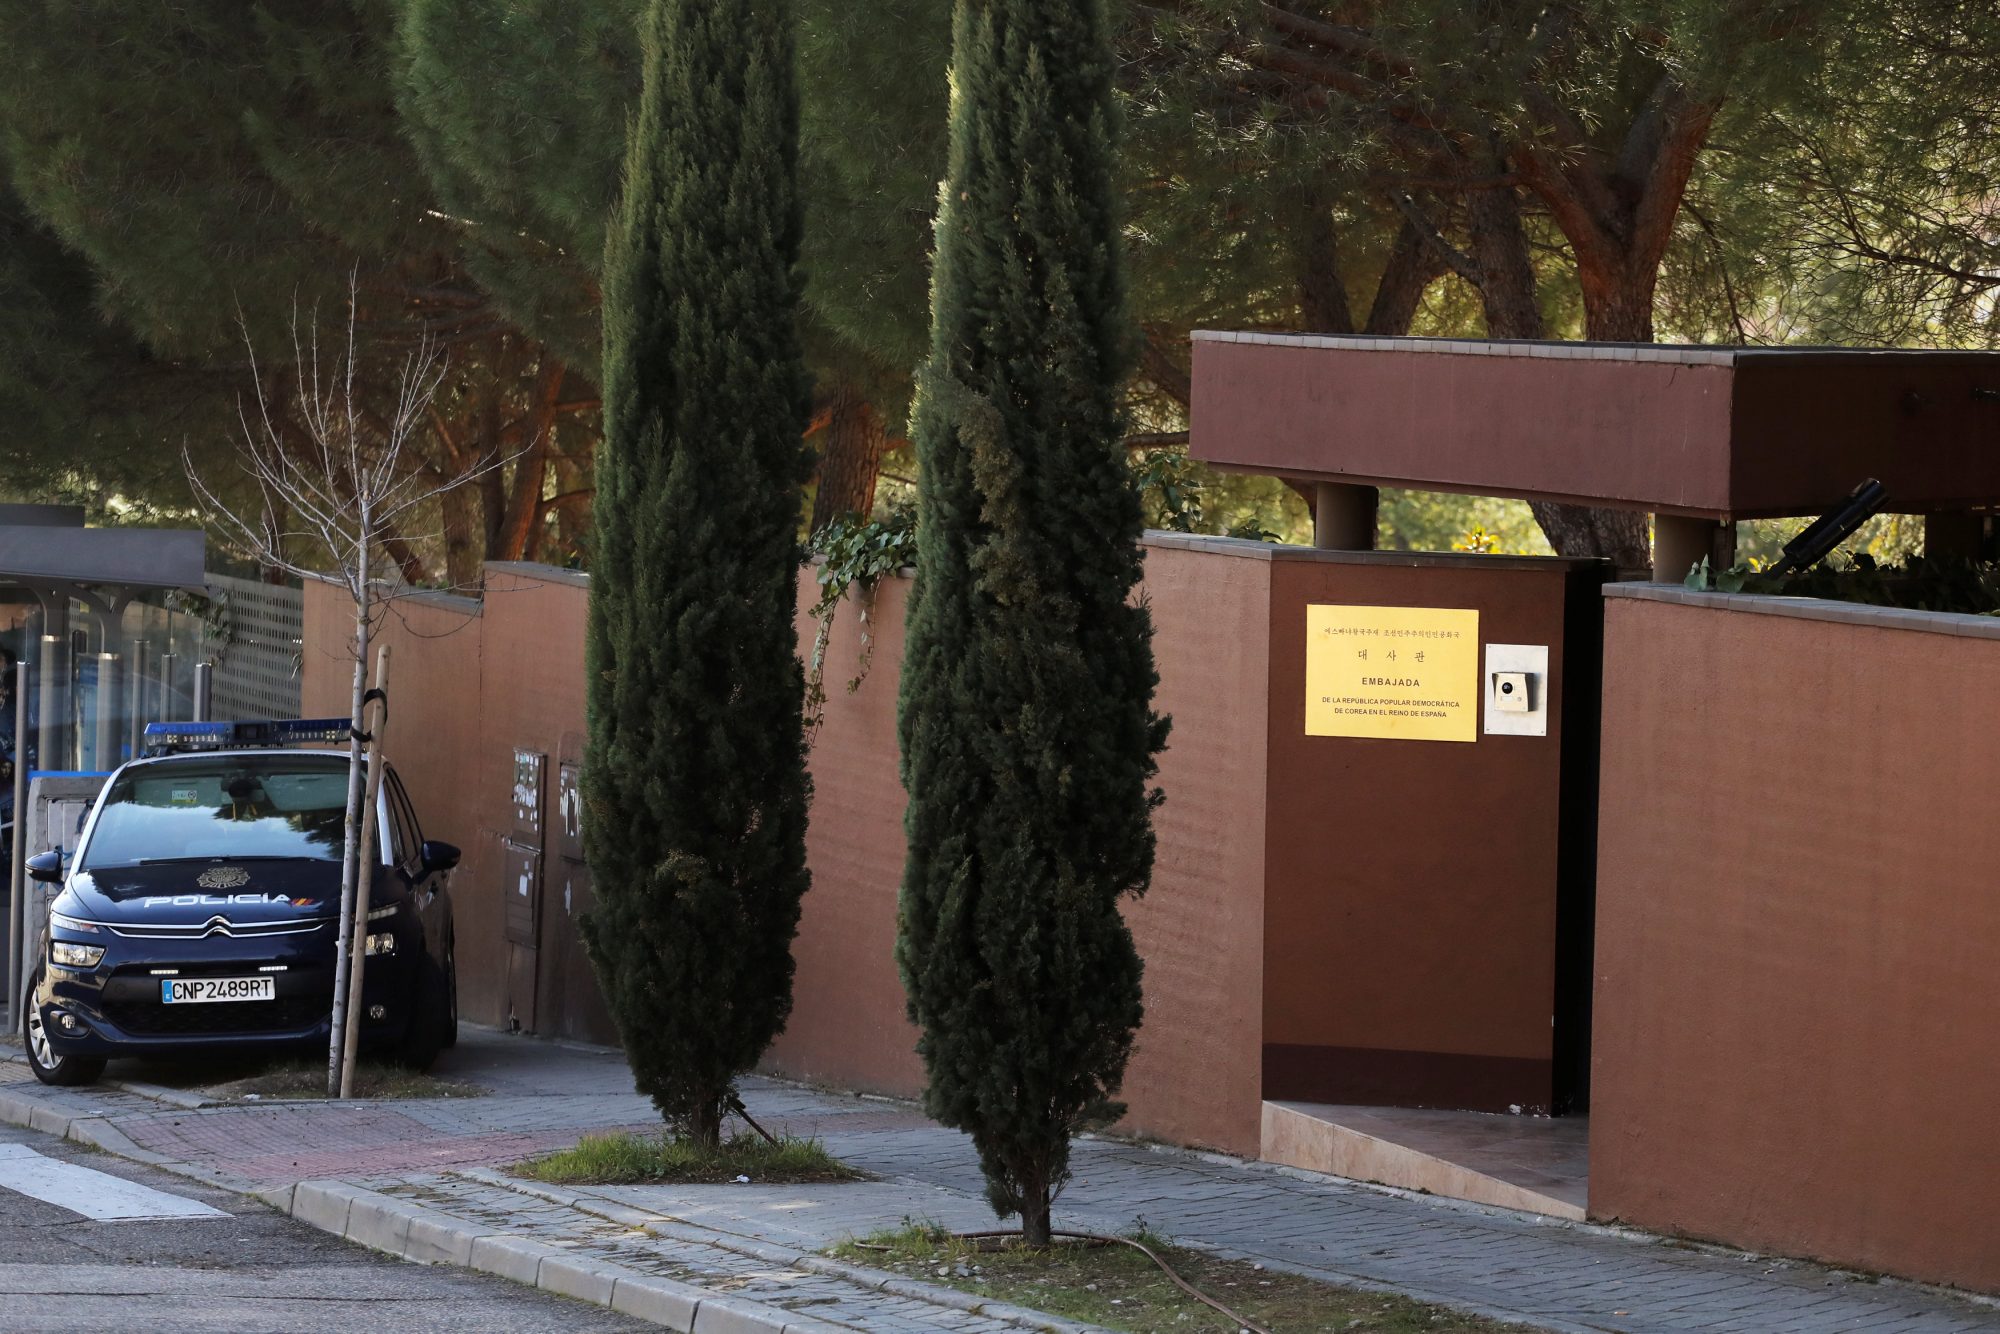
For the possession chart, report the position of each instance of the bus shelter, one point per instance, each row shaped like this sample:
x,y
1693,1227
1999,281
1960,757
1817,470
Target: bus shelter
x,y
97,638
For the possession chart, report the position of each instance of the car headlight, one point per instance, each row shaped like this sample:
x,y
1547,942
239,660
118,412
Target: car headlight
x,y
66,955
72,923
382,942
386,910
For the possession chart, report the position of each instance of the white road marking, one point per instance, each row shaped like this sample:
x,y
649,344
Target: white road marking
x,y
86,1191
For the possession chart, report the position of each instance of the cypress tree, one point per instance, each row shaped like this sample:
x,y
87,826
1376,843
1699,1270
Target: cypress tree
x,y
695,783
1026,723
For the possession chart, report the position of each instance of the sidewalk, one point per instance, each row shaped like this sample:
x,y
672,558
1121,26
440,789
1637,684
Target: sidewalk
x,y
417,1177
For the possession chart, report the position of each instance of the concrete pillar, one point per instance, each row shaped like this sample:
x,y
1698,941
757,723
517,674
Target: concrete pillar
x,y
105,733
167,703
204,685
1679,544
1344,517
53,701
142,682
1954,535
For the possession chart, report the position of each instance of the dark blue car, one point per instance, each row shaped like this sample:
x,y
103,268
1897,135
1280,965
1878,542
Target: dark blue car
x,y
199,913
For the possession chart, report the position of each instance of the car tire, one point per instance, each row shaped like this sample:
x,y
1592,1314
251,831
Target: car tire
x,y
430,1018
62,1071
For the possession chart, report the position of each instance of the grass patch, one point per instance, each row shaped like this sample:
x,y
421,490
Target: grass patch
x,y
622,1158
1118,1288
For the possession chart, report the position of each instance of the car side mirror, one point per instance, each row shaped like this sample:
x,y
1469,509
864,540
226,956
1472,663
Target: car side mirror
x,y
46,867
439,856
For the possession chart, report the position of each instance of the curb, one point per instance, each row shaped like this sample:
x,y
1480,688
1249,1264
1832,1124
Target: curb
x,y
428,1236
425,1236
666,1225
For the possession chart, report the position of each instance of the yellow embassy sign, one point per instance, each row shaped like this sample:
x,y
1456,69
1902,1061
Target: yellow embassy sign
x,y
1405,673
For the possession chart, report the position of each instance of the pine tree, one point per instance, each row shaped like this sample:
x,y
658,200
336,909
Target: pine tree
x,y
1026,722
695,782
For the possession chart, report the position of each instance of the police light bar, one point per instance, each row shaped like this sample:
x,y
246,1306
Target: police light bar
x,y
171,738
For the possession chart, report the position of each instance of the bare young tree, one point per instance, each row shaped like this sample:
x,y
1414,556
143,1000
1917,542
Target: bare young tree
x,y
346,479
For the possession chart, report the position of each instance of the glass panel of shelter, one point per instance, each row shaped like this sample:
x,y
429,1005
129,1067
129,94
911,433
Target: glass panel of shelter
x,y
114,666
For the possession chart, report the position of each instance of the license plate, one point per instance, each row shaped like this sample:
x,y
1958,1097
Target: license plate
x,y
187,990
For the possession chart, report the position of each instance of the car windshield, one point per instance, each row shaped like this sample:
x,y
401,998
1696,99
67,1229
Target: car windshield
x,y
240,807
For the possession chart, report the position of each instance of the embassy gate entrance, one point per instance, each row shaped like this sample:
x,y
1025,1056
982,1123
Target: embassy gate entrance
x,y
1433,730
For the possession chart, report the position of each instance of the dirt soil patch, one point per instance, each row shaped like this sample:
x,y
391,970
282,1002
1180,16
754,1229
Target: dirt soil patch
x,y
1118,1288
239,1079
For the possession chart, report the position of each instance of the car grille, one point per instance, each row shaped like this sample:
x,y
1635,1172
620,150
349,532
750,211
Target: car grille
x,y
212,927
153,1019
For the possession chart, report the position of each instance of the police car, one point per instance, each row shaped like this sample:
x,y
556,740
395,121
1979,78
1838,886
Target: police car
x,y
200,906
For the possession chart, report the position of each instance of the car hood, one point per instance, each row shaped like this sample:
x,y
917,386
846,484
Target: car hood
x,y
190,893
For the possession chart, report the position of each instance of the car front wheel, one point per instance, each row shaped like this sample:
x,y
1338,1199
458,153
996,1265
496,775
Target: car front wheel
x,y
50,1068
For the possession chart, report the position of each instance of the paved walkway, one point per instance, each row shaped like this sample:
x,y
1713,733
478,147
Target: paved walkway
x,y
757,1240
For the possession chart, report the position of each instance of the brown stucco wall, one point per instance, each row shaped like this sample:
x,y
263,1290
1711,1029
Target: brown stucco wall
x,y
1200,928
472,685
847,1023
1193,1076
433,740
1797,1045
1411,892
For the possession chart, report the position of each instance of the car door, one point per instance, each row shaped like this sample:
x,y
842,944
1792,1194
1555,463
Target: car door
x,y
425,885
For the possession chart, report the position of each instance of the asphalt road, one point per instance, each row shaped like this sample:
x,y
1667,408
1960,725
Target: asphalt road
x,y
217,1262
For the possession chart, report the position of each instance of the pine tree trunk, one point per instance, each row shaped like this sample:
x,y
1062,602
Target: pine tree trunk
x,y
1507,290
850,459
1506,268
1617,303
1618,308
1411,268
463,549
1323,305
524,492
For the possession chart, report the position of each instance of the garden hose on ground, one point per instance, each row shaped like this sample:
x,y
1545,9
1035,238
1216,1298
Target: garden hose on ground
x,y
1242,1322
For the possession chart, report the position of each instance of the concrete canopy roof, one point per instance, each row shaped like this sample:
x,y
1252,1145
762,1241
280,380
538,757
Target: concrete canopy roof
x,y
42,555
1714,432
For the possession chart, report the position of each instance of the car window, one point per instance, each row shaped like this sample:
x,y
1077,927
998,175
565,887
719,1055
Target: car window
x,y
405,815
222,806
391,838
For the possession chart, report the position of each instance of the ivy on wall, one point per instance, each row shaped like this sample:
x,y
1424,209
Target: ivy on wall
x,y
852,554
